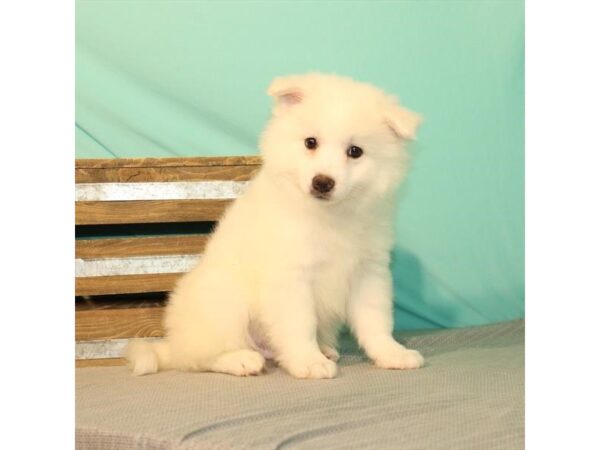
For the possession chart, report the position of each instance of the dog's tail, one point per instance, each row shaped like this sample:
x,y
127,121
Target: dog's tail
x,y
146,357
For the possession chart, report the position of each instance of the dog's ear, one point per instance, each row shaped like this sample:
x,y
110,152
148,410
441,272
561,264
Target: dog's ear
x,y
403,121
286,92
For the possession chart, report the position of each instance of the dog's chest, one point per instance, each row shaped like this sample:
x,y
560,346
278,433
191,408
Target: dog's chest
x,y
335,267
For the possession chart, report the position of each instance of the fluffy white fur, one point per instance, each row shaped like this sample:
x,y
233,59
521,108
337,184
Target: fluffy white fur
x,y
285,269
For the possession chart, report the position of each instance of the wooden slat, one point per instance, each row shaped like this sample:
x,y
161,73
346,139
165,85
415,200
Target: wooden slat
x,y
169,162
125,284
100,362
118,323
140,246
121,302
149,174
157,211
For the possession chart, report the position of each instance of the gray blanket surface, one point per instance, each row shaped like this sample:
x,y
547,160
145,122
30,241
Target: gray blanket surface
x,y
470,395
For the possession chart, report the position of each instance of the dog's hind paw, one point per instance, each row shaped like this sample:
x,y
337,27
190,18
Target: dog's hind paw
x,y
330,353
239,362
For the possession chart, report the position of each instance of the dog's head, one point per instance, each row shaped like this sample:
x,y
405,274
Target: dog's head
x,y
334,139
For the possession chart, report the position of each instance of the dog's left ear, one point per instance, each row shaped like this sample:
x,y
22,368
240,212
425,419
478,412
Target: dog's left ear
x,y
286,91
403,121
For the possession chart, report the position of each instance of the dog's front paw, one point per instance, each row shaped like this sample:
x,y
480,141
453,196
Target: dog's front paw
x,y
316,366
400,358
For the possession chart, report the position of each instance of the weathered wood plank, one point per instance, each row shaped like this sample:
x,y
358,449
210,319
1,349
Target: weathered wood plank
x,y
169,162
159,190
140,246
125,284
121,302
118,323
135,265
104,348
104,362
139,211
148,174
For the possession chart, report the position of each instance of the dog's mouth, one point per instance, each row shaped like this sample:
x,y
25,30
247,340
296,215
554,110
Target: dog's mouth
x,y
320,195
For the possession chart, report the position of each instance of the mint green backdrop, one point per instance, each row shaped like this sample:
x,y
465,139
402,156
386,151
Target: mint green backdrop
x,y
186,78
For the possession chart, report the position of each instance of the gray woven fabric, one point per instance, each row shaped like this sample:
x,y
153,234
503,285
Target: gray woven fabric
x,y
470,395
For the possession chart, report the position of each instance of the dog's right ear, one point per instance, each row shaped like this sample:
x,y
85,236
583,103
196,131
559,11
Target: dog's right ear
x,y
286,92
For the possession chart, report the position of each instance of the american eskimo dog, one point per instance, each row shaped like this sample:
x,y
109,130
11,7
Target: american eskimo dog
x,y
304,249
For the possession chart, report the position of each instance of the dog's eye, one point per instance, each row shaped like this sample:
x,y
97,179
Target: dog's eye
x,y
311,143
354,152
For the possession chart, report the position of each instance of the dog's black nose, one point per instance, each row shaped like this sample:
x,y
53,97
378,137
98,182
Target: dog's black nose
x,y
323,183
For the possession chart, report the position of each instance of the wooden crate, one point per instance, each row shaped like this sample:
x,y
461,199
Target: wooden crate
x,y
129,247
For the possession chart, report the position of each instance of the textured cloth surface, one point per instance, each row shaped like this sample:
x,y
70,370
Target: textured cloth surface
x,y
470,395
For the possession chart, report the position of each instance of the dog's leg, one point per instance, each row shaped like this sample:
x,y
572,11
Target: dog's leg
x,y
327,339
289,313
370,315
207,322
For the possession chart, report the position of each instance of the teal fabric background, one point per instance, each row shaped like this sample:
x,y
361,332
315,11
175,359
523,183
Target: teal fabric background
x,y
188,78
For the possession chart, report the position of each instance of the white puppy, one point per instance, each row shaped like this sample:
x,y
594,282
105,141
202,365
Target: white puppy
x,y
304,249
